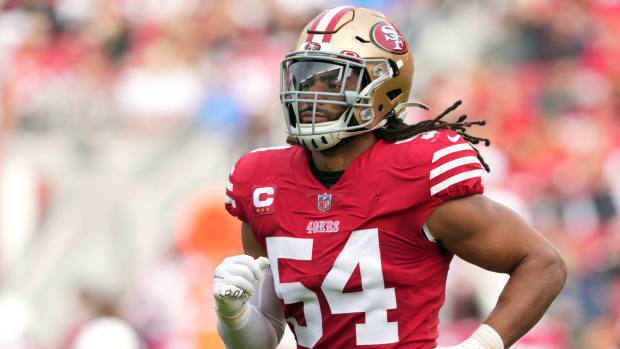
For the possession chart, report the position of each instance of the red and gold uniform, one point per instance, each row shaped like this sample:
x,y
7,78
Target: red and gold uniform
x,y
355,265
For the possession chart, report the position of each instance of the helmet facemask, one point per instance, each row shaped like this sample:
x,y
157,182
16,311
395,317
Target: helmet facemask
x,y
326,96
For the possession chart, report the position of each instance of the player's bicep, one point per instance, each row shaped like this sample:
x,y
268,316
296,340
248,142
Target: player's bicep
x,y
485,233
250,245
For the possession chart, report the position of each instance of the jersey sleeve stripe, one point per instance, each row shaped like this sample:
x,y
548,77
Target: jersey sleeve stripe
x,y
449,150
229,200
427,233
455,179
452,164
229,185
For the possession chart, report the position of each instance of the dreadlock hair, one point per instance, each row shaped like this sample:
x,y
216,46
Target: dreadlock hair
x,y
396,129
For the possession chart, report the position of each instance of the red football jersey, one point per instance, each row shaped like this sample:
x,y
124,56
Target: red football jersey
x,y
354,265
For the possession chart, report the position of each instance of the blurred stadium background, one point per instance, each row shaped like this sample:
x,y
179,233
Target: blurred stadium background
x,y
121,120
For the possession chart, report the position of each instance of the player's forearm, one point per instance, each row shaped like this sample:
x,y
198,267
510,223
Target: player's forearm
x,y
247,323
257,331
532,286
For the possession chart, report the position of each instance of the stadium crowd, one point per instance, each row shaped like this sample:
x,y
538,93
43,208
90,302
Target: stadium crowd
x,y
121,119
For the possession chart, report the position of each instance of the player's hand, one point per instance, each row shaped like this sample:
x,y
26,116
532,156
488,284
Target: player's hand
x,y
233,284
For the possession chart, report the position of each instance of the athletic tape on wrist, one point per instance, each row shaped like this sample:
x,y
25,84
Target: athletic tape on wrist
x,y
234,321
488,337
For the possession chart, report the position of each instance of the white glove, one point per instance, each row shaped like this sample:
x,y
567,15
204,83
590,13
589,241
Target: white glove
x,y
233,285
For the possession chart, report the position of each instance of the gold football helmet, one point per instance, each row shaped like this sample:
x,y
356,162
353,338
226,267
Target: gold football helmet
x,y
350,69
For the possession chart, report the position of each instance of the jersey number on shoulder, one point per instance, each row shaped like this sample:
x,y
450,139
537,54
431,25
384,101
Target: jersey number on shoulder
x,y
374,300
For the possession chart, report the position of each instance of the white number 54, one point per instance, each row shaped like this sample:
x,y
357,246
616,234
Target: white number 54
x,y
374,300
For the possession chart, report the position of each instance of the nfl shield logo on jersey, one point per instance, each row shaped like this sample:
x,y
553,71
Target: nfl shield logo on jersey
x,y
324,202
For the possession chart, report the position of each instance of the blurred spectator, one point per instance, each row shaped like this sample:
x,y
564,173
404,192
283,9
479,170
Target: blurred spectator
x,y
105,333
159,86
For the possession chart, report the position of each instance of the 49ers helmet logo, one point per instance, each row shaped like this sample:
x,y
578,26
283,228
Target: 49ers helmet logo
x,y
312,46
388,38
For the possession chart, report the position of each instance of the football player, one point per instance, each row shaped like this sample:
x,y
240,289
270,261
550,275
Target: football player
x,y
348,233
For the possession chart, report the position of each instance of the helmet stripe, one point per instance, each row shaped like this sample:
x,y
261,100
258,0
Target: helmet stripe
x,y
314,25
326,21
334,21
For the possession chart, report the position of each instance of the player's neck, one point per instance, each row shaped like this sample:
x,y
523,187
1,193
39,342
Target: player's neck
x,y
342,155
